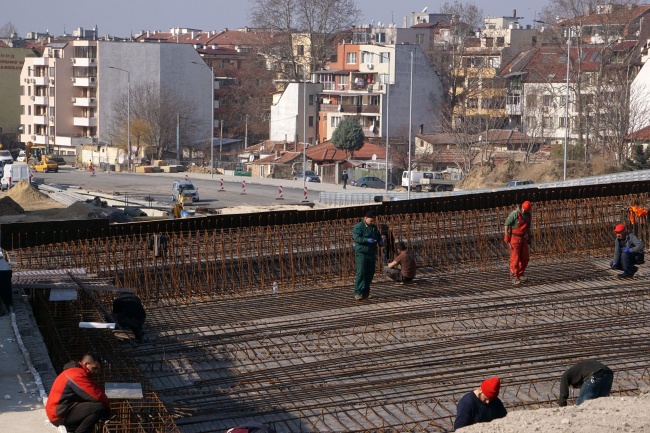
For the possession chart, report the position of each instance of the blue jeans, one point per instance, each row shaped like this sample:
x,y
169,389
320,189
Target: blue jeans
x,y
596,386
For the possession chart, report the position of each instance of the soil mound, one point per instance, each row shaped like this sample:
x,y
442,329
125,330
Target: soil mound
x,y
25,193
9,207
81,211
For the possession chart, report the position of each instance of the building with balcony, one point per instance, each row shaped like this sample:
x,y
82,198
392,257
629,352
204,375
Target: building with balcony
x,y
67,95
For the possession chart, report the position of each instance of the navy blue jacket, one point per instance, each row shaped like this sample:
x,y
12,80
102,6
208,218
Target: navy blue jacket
x,y
471,410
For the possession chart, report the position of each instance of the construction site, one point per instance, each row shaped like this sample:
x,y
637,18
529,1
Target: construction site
x,y
221,347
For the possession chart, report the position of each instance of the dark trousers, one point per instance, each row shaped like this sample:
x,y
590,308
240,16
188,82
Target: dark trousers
x,y
628,262
83,417
598,385
395,274
365,272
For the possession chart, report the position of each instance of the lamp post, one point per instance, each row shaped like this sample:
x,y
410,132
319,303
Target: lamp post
x,y
211,118
304,128
128,113
566,105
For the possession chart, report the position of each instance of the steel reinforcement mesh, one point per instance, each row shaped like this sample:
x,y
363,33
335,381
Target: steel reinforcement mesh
x,y
221,349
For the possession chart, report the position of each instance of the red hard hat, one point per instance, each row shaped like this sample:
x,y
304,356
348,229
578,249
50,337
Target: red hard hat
x,y
527,206
620,228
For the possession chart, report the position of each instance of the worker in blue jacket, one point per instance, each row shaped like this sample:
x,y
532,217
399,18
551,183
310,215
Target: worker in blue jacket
x,y
628,252
366,239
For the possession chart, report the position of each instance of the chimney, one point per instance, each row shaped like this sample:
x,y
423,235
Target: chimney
x,y
404,24
514,13
285,143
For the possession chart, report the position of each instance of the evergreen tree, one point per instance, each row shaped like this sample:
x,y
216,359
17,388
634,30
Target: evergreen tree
x,y
348,135
640,159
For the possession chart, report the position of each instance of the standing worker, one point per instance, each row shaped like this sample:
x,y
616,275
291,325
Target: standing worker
x,y
592,377
403,267
344,178
517,234
480,405
628,252
76,401
366,238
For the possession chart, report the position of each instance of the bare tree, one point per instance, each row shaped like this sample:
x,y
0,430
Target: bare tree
x,y
308,30
7,30
154,115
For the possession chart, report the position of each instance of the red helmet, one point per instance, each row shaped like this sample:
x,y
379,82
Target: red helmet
x,y
620,228
526,206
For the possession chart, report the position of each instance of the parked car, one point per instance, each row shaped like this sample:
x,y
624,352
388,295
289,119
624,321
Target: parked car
x,y
186,188
5,157
21,156
372,182
309,176
519,182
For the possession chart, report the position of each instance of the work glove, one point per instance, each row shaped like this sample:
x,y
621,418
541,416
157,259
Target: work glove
x,y
371,240
506,239
627,250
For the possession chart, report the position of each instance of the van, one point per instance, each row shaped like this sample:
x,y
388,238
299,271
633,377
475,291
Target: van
x,y
14,173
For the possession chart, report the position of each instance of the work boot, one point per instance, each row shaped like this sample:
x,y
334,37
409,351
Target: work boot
x,y
368,297
625,275
358,297
523,278
516,281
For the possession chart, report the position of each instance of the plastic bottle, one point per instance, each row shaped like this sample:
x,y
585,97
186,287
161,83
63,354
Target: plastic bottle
x,y
275,287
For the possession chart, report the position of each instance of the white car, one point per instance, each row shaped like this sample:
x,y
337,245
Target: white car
x,y
21,156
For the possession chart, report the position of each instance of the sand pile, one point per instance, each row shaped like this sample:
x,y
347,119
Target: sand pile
x,y
9,207
81,211
25,193
603,415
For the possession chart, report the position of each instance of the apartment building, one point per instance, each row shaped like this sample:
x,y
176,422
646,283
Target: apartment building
x,y
67,95
294,113
11,64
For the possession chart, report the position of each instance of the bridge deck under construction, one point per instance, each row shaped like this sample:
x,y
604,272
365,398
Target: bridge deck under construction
x,y
318,360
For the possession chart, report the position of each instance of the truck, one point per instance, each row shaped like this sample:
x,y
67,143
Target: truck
x,y
14,173
428,181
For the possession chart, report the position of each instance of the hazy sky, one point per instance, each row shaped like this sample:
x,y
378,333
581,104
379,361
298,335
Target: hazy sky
x,y
121,17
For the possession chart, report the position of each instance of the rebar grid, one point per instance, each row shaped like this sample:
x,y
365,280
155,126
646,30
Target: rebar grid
x,y
241,261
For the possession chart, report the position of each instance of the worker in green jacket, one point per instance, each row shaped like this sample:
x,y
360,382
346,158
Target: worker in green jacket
x,y
366,238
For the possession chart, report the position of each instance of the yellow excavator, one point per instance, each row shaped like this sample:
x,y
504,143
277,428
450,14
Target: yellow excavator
x,y
39,158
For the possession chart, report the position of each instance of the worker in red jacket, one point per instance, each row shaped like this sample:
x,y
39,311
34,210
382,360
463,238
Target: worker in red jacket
x,y
518,235
76,401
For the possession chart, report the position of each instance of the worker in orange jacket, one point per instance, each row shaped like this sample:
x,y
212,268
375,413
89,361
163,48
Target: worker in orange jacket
x,y
517,234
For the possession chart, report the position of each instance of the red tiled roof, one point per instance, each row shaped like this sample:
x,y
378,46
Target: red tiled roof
x,y
621,15
641,134
504,136
445,156
326,151
285,158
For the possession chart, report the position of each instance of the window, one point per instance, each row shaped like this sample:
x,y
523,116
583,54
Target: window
x,y
52,91
343,81
531,100
366,57
311,121
472,103
29,110
562,122
384,58
300,50
514,99
419,38
494,62
22,111
351,58
547,122
334,121
51,111
501,41
547,101
311,99
531,121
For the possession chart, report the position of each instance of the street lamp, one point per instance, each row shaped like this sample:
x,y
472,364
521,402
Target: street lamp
x,y
566,105
211,117
128,113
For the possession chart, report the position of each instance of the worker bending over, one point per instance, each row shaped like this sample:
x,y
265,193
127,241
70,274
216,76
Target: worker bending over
x,y
517,234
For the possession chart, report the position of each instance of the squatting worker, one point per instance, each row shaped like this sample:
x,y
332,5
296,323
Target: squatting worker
x,y
129,313
403,267
628,252
517,234
366,238
76,401
592,377
480,405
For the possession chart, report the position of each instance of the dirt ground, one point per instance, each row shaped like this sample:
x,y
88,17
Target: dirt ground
x,y
603,415
549,171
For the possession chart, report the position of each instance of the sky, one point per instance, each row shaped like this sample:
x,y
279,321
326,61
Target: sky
x,y
123,17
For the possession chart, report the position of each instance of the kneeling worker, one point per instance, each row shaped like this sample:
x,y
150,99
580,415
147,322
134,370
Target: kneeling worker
x,y
593,378
628,251
129,313
403,267
480,405
76,401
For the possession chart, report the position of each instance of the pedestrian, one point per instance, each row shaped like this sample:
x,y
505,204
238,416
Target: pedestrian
x,y
344,178
129,313
366,238
403,267
518,236
592,377
76,401
480,405
628,252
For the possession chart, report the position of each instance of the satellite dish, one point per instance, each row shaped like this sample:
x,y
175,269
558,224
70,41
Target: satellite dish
x,y
425,9
374,157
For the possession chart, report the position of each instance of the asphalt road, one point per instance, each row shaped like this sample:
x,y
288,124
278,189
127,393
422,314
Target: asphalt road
x,y
260,192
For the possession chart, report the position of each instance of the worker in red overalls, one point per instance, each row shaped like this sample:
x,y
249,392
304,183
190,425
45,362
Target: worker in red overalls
x,y
518,236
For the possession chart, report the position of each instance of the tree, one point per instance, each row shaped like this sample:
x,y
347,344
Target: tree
x,y
7,30
308,30
348,135
154,115
640,159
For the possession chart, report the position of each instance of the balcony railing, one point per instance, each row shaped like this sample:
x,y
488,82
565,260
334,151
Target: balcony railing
x,y
85,121
83,61
84,102
84,81
40,81
514,109
40,120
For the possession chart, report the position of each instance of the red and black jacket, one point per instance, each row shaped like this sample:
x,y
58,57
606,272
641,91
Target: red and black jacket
x,y
73,385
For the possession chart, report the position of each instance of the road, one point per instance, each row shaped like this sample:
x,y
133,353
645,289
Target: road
x,y
259,192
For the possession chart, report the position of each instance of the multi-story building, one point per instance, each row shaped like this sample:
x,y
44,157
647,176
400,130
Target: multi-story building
x,y
68,95
294,113
11,63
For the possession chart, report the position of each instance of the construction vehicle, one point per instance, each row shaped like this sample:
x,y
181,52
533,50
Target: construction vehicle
x,y
39,158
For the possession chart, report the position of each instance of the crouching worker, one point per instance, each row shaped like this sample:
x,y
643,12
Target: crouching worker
x,y
76,401
129,313
628,252
593,378
403,268
480,405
